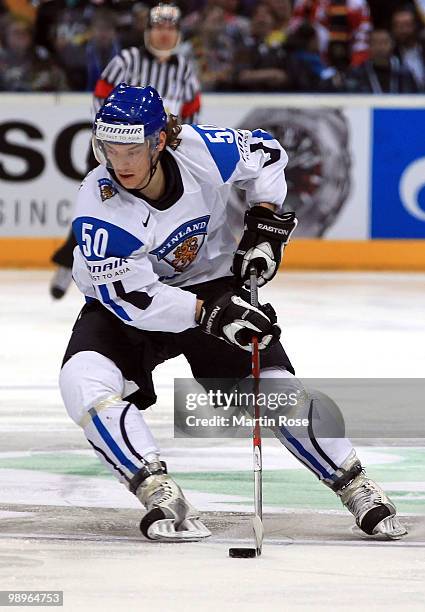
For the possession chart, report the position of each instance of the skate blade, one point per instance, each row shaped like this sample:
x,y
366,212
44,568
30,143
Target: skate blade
x,y
190,530
391,528
388,529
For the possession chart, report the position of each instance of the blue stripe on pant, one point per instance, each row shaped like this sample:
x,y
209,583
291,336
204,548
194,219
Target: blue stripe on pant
x,y
304,453
110,442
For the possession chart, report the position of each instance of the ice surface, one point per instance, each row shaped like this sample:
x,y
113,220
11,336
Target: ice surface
x,y
77,530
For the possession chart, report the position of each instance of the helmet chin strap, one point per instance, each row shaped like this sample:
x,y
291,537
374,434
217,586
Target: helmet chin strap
x,y
152,170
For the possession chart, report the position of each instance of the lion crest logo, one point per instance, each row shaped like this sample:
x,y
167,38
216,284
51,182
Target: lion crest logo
x,y
182,246
185,254
107,189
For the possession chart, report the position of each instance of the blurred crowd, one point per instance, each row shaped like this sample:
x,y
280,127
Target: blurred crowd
x,y
358,46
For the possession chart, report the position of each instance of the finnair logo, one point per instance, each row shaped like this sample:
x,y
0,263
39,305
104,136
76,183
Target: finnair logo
x,y
124,134
109,270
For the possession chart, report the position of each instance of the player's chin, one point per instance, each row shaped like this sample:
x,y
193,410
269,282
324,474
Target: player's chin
x,y
127,179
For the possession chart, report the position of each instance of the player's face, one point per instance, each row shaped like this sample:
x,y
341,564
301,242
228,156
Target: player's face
x,y
131,163
163,36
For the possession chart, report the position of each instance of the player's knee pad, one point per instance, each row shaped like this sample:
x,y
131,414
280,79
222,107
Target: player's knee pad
x,y
324,415
87,379
275,372
280,394
117,430
304,402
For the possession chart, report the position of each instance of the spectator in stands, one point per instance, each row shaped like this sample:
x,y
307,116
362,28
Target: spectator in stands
x,y
191,22
260,66
247,7
23,66
382,11
102,46
236,25
383,72
213,51
133,35
307,70
72,33
60,22
281,11
420,10
130,18
26,9
342,25
64,28
409,47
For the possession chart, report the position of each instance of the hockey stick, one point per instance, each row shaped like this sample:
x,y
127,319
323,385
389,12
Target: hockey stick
x,y
257,522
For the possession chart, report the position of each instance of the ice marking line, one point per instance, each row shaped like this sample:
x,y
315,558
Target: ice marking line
x,y
300,541
159,385
224,541
27,387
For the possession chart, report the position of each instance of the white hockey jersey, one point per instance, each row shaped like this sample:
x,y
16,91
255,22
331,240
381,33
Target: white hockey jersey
x,y
134,258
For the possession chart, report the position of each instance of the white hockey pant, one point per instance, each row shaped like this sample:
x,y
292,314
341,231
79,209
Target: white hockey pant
x,y
92,388
322,456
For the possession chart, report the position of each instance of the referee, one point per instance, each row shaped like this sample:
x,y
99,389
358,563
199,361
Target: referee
x,y
159,63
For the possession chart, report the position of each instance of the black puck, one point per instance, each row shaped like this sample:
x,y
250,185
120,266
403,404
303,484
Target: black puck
x,y
242,553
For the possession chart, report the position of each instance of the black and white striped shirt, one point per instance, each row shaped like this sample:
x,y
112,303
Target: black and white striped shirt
x,y
174,79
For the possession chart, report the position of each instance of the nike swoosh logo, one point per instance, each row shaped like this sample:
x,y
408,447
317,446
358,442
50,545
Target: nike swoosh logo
x,y
145,224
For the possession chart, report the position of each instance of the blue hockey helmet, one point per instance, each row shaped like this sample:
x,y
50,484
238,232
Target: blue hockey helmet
x,y
129,115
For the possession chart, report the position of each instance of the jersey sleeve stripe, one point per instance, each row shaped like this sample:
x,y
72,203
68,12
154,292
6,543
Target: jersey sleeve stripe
x,y
103,89
110,302
140,299
192,107
222,148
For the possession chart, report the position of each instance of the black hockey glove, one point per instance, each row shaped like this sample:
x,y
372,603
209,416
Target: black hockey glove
x,y
234,320
265,235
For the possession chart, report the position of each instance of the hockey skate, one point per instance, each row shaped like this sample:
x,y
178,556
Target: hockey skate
x,y
170,517
60,282
373,510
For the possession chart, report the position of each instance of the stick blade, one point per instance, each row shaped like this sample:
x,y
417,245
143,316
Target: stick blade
x,y
258,528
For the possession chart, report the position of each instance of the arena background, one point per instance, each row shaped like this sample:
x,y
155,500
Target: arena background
x,y
356,178
356,173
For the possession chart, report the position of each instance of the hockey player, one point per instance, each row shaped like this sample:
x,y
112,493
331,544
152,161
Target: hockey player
x,y
157,243
159,62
